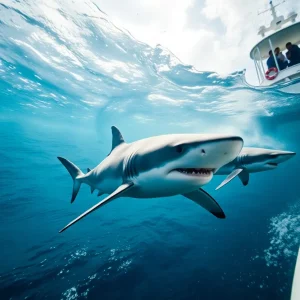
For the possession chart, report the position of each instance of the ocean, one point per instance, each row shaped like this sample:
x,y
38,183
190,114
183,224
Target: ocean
x,y
67,74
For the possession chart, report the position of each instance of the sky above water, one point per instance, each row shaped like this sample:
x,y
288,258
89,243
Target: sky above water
x,y
211,35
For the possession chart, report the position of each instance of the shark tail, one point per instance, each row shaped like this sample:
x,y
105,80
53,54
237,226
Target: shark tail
x,y
76,174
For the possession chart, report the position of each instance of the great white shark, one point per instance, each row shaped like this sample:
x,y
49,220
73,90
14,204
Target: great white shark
x,y
158,166
252,160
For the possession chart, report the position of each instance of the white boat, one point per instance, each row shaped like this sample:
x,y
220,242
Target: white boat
x,y
283,30
296,281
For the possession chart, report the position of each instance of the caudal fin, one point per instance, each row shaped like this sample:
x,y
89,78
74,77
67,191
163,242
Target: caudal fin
x,y
76,174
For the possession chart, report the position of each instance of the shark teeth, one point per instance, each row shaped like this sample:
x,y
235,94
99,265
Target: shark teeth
x,y
195,171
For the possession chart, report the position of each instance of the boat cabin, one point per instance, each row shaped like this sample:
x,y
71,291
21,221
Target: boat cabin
x,y
279,38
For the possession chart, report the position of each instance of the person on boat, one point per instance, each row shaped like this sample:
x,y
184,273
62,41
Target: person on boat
x,y
293,54
271,61
281,59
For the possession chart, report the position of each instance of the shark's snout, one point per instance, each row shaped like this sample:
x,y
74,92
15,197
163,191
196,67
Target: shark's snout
x,y
235,146
282,156
197,160
223,150
231,147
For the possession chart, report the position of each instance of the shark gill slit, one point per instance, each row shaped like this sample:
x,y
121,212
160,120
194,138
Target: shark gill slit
x,y
130,166
126,168
130,170
133,165
241,160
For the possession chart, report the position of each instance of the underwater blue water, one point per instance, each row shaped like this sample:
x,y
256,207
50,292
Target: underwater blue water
x,y
67,74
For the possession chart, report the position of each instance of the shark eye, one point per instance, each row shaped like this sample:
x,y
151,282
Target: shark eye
x,y
179,149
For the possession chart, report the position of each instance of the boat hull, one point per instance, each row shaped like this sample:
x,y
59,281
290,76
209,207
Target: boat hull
x,y
287,81
284,76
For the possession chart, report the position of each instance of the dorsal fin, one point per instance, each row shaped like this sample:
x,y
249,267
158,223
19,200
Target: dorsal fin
x,y
117,138
88,169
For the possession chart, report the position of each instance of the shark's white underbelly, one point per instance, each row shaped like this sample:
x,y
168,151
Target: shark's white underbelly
x,y
105,184
146,186
152,186
109,185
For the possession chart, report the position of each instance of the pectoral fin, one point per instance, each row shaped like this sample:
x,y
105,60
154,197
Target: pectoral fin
x,y
233,174
207,202
244,176
117,193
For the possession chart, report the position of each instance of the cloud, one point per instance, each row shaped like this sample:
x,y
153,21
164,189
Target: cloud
x,y
227,49
132,11
154,22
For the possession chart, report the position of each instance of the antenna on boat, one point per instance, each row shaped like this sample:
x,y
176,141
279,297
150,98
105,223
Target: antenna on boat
x,y
272,9
277,21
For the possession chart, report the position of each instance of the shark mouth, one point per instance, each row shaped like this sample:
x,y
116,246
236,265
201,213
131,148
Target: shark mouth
x,y
272,164
196,171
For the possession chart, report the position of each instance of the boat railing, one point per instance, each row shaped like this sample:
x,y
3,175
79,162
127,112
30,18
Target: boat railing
x,y
259,63
259,66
